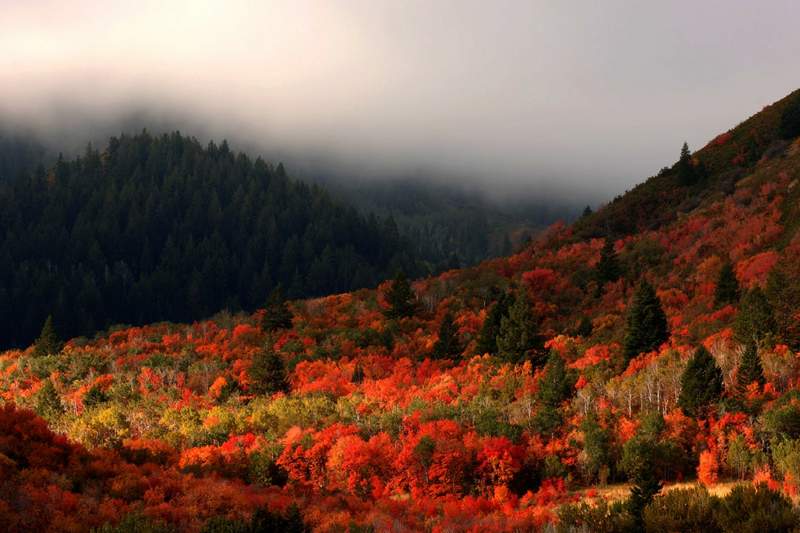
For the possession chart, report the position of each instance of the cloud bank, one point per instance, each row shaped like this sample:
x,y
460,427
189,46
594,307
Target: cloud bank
x,y
578,97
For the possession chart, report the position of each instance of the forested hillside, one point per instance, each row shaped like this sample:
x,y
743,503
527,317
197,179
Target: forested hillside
x,y
161,228
505,397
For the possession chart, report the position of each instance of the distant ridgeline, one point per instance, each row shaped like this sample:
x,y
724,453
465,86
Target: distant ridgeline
x,y
160,228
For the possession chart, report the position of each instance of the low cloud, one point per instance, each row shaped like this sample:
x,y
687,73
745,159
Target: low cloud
x,y
578,98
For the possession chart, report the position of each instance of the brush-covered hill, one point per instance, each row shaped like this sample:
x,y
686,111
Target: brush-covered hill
x,y
494,398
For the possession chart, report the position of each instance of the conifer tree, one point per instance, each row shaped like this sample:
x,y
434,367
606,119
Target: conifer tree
x,y
585,327
268,374
557,384
277,314
755,322
487,335
783,295
448,346
400,297
701,382
48,402
519,339
93,397
727,289
646,485
48,342
646,325
608,266
687,174
749,370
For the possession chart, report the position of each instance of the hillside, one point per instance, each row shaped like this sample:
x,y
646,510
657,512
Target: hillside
x,y
160,228
447,223
494,398
714,169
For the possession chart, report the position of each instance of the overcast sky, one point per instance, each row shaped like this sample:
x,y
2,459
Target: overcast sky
x,y
590,96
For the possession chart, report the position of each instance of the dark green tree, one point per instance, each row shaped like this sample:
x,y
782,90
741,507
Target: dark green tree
x,y
790,119
585,326
783,294
487,335
701,382
277,314
448,345
268,374
646,485
586,211
48,401
557,384
727,289
519,339
749,370
646,328
756,321
48,342
687,173
401,297
608,266
94,397
597,454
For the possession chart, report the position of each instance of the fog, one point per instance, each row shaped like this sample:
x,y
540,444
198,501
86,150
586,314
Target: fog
x,y
563,97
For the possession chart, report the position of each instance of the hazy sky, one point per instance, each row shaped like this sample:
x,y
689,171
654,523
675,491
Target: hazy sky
x,y
589,96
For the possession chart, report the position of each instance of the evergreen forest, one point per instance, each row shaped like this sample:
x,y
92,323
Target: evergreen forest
x,y
161,228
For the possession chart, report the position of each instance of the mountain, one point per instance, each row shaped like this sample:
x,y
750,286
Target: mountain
x,y
448,223
161,228
500,397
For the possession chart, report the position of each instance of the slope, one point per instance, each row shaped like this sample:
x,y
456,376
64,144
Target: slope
x,y
377,429
160,228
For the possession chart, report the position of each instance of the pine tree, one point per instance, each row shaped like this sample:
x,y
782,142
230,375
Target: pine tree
x,y
585,327
608,266
727,289
93,397
783,294
48,342
701,382
687,174
268,374
401,298
448,346
646,485
277,314
749,370
586,211
790,119
519,339
647,323
487,335
557,384
48,402
756,321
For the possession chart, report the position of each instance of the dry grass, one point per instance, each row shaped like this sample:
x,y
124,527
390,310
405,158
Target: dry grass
x,y
621,491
